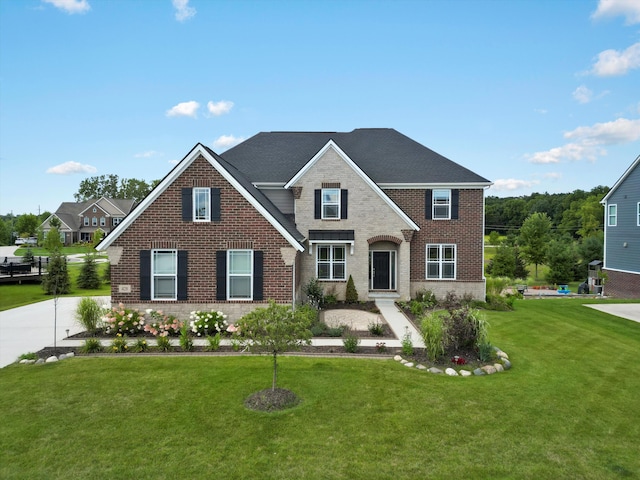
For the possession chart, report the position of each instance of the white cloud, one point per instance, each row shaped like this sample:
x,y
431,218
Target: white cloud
x,y
587,141
184,109
619,131
219,108
69,168
510,184
611,8
71,6
147,154
183,10
226,141
582,94
612,62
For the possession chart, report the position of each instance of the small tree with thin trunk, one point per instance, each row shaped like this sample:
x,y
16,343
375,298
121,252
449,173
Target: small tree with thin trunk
x,y
275,329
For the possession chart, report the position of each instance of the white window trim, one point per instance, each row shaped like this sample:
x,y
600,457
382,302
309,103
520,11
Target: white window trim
x,y
94,221
103,221
195,216
614,216
441,261
250,275
116,220
433,204
174,275
638,212
338,204
86,221
331,261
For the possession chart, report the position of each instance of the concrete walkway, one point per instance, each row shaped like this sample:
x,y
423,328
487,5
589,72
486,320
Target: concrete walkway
x,y
630,311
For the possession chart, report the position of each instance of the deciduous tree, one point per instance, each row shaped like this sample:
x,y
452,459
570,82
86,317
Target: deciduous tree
x,y
534,236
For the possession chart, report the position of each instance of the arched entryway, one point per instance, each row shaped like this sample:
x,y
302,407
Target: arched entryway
x,y
383,263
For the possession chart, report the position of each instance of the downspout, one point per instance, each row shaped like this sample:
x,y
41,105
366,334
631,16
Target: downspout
x,y
293,284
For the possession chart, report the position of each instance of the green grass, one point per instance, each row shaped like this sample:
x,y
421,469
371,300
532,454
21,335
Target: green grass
x,y
567,409
16,295
41,251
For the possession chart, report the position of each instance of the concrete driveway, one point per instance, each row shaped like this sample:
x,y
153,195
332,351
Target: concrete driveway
x,y
630,311
31,328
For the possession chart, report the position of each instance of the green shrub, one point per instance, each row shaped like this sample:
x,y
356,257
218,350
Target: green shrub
x,y
140,346
28,356
314,292
106,275
119,344
433,333
350,342
486,352
28,256
336,331
91,345
427,297
330,299
163,344
88,314
57,281
376,328
123,320
319,328
160,324
407,344
213,342
207,323
186,343
351,296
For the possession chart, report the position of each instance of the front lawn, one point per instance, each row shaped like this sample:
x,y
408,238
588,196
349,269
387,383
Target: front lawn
x,y
567,409
16,295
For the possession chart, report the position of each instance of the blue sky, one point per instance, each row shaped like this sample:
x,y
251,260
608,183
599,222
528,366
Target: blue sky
x,y
537,96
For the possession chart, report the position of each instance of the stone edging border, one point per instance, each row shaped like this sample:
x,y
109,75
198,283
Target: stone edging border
x,y
501,365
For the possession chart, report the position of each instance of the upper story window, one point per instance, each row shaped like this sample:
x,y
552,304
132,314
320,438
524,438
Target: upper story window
x,y
331,262
164,274
240,274
94,221
639,214
201,204
441,204
86,221
612,215
116,220
441,262
103,221
95,209
330,203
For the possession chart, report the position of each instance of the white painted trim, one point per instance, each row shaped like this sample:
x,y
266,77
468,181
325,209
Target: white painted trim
x,y
199,149
620,270
422,186
331,144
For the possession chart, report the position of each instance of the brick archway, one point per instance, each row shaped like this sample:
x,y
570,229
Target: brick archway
x,y
384,238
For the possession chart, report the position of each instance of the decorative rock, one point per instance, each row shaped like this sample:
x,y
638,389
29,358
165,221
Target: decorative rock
x,y
71,354
506,364
397,358
51,359
465,373
434,370
62,356
403,361
489,369
408,364
498,367
421,367
501,354
478,371
451,372
27,361
39,361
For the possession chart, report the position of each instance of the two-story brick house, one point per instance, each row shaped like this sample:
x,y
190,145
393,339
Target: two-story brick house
x,y
80,220
261,220
622,235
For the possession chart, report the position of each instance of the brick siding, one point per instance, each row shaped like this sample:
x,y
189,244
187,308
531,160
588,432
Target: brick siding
x,y
622,285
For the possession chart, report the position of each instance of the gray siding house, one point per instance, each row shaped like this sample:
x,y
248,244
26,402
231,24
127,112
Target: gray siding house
x,y
622,235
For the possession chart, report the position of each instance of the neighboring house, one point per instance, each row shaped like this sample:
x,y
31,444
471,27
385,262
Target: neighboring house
x,y
622,235
261,220
79,221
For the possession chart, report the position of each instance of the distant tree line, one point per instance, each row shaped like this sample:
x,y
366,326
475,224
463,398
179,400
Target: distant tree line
x,y
113,187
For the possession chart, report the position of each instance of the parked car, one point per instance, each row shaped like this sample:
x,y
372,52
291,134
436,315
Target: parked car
x,y
26,241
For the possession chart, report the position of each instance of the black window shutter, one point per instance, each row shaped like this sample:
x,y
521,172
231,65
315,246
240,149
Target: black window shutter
x,y
182,274
318,204
221,275
215,204
455,200
258,274
428,204
187,204
145,274
343,203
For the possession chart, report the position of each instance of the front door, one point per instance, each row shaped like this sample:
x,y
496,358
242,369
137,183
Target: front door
x,y
382,270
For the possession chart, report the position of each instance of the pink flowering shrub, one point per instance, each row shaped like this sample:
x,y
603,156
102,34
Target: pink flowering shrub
x,y
207,323
123,320
161,325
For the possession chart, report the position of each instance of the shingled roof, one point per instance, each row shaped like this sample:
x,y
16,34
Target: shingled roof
x,y
275,157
